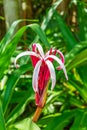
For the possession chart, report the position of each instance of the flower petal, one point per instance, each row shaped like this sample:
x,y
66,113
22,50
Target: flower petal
x,y
48,52
34,47
59,52
52,73
60,62
40,49
61,55
35,76
62,58
24,54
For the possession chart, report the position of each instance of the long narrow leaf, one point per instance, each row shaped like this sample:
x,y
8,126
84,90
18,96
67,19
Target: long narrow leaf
x,y
50,14
10,48
67,34
58,122
76,50
8,37
2,122
48,17
36,28
78,60
12,81
80,120
10,34
19,109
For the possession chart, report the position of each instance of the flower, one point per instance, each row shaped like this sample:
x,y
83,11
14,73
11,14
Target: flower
x,y
43,70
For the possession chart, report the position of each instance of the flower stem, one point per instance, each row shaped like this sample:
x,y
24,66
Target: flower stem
x,y
37,114
41,105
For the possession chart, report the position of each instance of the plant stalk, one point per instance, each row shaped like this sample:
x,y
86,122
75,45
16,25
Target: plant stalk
x,y
37,114
41,105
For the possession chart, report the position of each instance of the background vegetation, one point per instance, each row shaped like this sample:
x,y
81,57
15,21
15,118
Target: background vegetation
x,y
61,24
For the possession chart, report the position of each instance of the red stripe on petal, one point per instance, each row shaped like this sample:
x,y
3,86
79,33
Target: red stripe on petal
x,y
37,98
34,60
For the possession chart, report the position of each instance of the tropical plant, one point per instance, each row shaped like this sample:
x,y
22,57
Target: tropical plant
x,y
66,105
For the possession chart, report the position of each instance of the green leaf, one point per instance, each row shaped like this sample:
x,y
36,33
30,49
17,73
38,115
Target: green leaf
x,y
75,50
25,124
10,34
8,37
78,60
80,88
58,122
40,33
75,101
82,70
82,34
67,34
11,83
48,17
82,22
80,122
2,122
19,109
50,14
10,46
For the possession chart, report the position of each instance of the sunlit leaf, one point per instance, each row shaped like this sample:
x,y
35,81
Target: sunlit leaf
x,y
25,124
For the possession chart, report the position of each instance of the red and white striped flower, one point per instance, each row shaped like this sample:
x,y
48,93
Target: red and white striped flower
x,y
43,69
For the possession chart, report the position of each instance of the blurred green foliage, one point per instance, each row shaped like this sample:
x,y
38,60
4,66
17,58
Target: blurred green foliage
x,y
66,106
